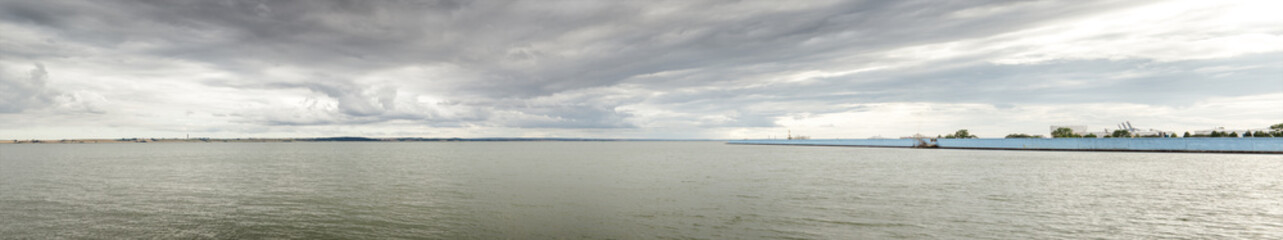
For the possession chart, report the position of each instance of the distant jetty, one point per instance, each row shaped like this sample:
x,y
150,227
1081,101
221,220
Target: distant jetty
x,y
1196,145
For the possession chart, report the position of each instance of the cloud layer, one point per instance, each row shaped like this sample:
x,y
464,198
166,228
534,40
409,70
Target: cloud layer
x,y
667,69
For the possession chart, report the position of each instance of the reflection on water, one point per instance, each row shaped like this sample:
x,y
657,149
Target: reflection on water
x,y
627,190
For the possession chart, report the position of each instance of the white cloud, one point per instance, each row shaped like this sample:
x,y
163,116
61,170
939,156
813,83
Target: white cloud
x,y
1165,31
904,119
691,69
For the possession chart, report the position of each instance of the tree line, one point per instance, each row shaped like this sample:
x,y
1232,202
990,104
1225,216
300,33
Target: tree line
x,y
1276,130
961,133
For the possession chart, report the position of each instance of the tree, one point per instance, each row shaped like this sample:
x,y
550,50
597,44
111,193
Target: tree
x,y
1232,134
1277,127
1186,134
1022,135
962,133
1064,133
1120,133
1216,134
1090,135
1247,134
1261,134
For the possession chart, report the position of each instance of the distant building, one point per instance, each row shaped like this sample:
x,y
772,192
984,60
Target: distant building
x,y
799,137
1153,133
1223,130
1100,134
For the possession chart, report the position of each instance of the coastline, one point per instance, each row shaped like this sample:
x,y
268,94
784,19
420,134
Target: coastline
x,y
1186,145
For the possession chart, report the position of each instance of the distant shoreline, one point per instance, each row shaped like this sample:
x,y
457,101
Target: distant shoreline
x,y
1190,145
329,139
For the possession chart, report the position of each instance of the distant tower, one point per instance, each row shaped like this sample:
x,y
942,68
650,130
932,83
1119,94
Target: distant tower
x,y
790,134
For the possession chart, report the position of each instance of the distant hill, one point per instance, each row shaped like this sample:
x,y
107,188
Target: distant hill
x,y
341,139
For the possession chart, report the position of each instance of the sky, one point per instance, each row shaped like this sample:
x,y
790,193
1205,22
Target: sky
x,y
686,69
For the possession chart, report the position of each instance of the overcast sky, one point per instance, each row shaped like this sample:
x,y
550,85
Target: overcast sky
x,y
633,69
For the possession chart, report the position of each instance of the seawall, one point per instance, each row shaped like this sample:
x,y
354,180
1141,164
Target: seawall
x,y
1213,145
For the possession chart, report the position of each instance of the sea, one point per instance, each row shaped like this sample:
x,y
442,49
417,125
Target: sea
x,y
627,190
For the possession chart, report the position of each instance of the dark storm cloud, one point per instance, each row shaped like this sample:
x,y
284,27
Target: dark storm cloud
x,y
618,41
513,63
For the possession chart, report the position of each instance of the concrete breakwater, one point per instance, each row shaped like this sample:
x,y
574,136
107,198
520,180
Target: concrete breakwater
x,y
1216,145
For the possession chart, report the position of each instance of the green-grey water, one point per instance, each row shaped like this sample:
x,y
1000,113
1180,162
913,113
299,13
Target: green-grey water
x,y
626,190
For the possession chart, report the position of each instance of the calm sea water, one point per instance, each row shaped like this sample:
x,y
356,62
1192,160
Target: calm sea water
x,y
627,190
